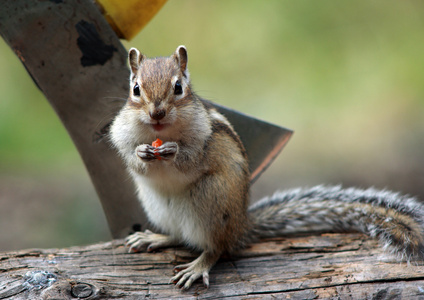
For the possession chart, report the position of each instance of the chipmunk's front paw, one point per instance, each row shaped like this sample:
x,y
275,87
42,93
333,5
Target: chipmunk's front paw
x,y
146,152
147,240
167,150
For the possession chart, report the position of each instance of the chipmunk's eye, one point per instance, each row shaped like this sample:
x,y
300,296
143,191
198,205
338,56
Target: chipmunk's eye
x,y
178,89
136,90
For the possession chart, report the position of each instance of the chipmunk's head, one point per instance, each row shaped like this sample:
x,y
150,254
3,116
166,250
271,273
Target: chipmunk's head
x,y
159,87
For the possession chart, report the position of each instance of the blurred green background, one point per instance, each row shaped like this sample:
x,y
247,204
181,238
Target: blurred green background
x,y
346,76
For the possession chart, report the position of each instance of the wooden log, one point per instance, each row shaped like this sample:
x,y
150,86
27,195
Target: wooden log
x,y
341,266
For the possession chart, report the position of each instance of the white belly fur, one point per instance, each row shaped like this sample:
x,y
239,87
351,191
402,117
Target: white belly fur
x,y
165,199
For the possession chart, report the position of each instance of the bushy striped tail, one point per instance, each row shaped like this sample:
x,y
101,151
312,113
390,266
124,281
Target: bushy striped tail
x,y
397,221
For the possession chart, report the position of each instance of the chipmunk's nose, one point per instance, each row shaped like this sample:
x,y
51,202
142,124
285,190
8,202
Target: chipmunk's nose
x,y
157,114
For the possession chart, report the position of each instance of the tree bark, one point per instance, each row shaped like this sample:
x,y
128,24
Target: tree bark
x,y
341,266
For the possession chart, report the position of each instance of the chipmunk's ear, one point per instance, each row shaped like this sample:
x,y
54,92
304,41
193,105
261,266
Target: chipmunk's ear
x,y
181,56
134,59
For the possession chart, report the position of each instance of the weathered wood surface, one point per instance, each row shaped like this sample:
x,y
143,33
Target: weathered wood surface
x,y
341,266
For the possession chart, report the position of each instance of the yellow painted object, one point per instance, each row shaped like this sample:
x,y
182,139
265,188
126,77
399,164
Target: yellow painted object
x,y
128,17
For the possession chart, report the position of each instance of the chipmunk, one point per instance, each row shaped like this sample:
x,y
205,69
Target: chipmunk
x,y
194,188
